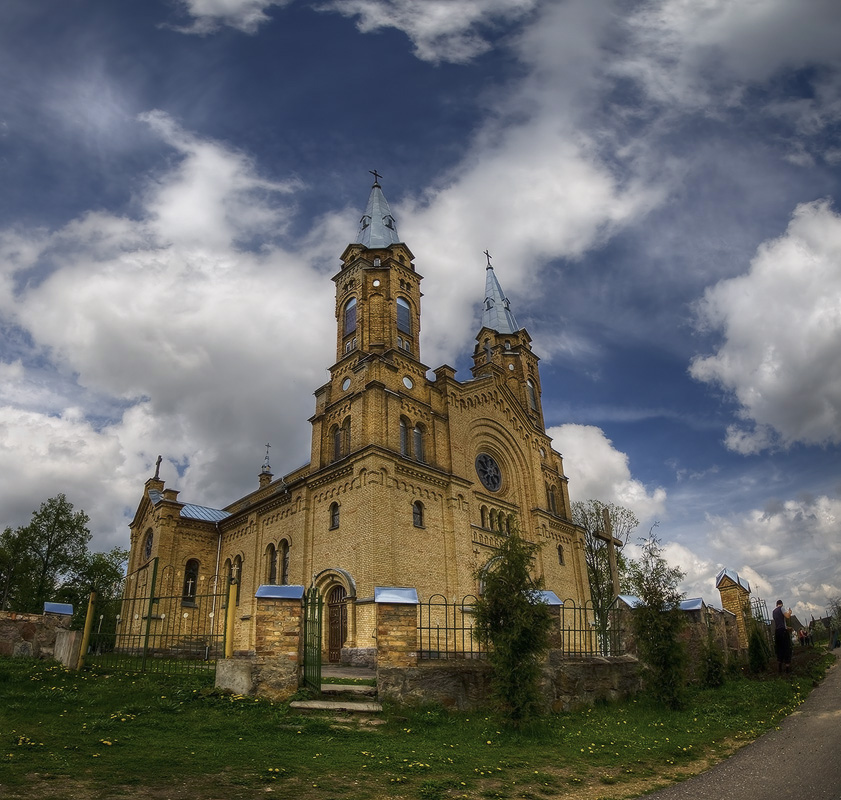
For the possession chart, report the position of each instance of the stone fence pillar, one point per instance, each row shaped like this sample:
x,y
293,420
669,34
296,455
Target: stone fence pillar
x,y
275,669
397,627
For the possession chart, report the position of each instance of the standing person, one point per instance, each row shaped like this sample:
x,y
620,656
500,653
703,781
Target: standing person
x,y
782,638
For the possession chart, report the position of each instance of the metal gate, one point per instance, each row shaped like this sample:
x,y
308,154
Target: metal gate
x,y
160,620
313,608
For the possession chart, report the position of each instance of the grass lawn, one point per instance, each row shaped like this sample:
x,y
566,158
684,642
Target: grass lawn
x,y
87,736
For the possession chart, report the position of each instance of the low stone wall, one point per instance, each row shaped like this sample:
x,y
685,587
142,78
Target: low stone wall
x,y
464,684
30,635
572,683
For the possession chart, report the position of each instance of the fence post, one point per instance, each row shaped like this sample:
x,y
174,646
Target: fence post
x,y
230,612
86,635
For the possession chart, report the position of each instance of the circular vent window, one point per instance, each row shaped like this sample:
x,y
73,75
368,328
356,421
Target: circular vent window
x,y
488,471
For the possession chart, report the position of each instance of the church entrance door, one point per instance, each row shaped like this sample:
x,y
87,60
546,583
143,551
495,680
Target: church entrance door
x,y
336,623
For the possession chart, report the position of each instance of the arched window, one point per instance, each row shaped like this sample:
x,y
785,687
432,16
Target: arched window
x,y
344,445
349,316
532,392
191,579
561,554
509,523
483,515
552,498
417,514
271,564
417,441
237,570
283,562
404,316
228,572
493,520
335,443
404,437
334,515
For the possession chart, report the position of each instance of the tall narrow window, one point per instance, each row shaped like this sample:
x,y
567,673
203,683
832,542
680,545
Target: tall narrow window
x,y
238,575
404,316
229,575
417,441
283,561
417,514
483,515
191,579
552,498
404,437
350,316
334,515
335,443
561,554
345,444
532,395
271,564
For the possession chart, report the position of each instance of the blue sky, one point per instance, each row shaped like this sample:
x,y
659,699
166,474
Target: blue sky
x,y
658,183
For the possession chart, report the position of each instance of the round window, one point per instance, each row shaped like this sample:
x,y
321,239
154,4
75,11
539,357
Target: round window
x,y
345,384
377,282
407,382
488,471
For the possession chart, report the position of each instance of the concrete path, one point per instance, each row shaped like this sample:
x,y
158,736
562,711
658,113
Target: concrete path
x,y
800,761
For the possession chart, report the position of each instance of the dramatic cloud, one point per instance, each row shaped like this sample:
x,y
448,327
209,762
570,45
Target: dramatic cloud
x,y
781,324
788,544
597,470
440,30
191,344
243,15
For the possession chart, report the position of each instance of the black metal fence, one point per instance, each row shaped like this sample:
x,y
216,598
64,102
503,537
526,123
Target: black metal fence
x,y
587,632
445,629
160,620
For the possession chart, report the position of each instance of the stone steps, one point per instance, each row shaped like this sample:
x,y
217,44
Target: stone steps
x,y
334,689
336,706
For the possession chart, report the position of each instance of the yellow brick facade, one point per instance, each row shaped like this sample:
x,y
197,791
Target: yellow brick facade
x,y
392,494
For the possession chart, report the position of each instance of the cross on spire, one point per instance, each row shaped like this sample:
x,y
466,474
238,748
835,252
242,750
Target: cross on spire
x,y
488,255
376,175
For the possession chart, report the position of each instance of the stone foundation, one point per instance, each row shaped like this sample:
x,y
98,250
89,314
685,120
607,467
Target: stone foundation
x,y
30,635
359,657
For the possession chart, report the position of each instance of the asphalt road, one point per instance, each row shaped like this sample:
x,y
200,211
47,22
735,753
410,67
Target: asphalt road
x,y
799,761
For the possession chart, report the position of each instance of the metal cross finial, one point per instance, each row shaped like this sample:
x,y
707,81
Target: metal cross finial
x,y
489,260
376,175
158,467
266,465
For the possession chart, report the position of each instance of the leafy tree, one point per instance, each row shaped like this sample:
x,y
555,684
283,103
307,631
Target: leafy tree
x,y
590,516
657,623
38,556
513,622
16,569
96,572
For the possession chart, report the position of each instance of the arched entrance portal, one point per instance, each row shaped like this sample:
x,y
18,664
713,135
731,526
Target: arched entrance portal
x,y
336,623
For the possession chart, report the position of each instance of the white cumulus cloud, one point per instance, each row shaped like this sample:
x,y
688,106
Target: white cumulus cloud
x,y
597,470
781,328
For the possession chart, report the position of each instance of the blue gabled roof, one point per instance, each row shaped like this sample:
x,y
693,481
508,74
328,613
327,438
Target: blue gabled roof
x,y
734,576
190,511
692,604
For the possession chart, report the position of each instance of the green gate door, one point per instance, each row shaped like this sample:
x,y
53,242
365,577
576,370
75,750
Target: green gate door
x,y
313,608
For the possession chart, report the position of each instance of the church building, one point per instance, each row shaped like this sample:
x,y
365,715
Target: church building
x,y
412,478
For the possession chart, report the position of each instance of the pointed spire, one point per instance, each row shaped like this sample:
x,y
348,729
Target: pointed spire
x,y
377,227
496,312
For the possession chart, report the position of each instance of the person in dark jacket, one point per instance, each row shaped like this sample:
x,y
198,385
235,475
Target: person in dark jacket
x,y
782,637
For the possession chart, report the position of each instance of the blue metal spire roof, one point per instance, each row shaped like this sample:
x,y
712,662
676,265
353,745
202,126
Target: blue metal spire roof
x,y
496,313
377,227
